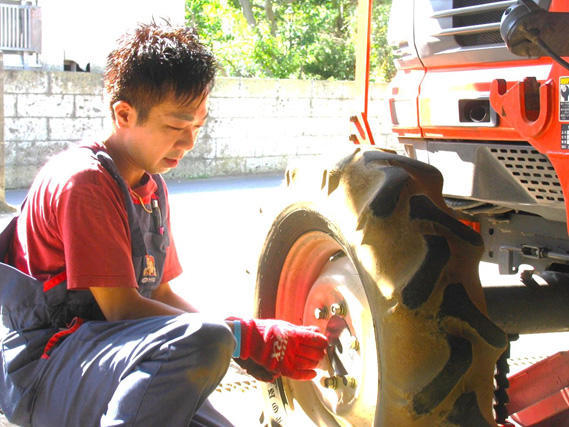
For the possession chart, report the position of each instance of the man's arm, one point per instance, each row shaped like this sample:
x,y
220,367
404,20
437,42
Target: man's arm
x,y
165,294
127,303
275,347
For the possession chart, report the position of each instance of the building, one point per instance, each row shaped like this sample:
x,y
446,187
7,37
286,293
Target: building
x,y
73,35
63,35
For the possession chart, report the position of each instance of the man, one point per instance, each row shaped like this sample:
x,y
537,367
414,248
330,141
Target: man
x,y
94,333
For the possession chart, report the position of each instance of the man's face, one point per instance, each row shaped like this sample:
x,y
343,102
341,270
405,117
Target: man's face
x,y
169,132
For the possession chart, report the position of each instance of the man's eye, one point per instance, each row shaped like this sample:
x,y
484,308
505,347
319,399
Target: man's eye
x,y
175,128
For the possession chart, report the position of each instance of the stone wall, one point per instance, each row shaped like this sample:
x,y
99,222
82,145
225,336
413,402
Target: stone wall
x,y
45,113
2,184
255,126
4,207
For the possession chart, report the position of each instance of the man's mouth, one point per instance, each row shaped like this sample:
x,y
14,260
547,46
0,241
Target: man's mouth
x,y
171,163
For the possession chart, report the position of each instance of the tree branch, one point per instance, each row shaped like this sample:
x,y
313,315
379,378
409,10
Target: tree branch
x,y
271,16
248,12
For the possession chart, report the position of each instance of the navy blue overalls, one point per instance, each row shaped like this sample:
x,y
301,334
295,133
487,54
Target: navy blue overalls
x,y
64,365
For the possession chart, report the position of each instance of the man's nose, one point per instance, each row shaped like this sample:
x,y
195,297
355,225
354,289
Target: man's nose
x,y
188,139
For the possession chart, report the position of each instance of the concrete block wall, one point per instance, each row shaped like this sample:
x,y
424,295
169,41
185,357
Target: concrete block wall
x,y
44,113
379,118
3,205
254,126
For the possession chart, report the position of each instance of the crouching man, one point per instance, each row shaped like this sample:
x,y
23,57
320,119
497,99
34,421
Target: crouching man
x,y
93,334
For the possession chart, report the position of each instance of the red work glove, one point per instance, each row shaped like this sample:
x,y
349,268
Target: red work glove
x,y
281,347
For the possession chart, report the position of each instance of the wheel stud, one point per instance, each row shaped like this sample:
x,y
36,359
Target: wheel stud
x,y
321,312
338,309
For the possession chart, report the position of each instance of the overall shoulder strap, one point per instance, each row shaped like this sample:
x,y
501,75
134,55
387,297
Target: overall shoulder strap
x,y
161,195
137,239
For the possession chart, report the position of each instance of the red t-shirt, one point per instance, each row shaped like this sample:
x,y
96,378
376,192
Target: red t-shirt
x,y
75,221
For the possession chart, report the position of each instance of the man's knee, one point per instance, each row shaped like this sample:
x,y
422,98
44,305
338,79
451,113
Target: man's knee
x,y
204,343
218,344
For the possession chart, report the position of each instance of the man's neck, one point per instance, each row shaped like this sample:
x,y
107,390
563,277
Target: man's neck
x,y
128,171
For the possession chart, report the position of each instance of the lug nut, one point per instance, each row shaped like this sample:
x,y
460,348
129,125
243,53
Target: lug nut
x,y
330,382
354,344
338,309
321,312
352,382
334,382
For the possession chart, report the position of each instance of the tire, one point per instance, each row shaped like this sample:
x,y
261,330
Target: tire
x,y
372,234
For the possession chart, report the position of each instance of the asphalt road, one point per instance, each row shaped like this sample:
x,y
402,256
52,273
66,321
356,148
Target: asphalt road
x,y
219,226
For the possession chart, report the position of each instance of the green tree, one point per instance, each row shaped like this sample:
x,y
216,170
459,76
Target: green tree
x,y
311,39
382,61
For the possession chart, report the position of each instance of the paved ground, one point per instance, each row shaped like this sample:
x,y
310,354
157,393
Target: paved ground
x,y
219,226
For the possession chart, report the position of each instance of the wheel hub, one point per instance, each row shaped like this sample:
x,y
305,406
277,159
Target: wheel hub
x,y
319,286
332,297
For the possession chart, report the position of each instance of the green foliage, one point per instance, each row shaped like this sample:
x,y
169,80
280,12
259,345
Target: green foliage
x,y
308,39
382,66
223,27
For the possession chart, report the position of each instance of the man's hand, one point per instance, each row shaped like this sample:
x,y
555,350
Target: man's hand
x,y
281,347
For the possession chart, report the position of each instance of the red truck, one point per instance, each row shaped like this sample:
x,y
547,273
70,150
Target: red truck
x,y
381,251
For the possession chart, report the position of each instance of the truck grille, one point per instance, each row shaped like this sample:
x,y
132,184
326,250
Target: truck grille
x,y
533,171
488,17
477,22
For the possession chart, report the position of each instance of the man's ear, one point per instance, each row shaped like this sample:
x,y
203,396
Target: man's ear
x,y
124,114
